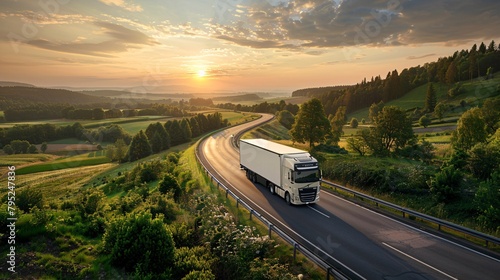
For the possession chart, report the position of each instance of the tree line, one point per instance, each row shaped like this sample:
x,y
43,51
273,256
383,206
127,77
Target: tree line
x,y
263,107
159,137
463,65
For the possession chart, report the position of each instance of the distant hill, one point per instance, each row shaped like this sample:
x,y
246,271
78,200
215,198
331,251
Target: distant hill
x,y
14,84
46,95
237,98
309,92
130,94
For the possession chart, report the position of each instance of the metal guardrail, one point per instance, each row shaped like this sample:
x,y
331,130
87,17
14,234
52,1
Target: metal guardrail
x,y
440,223
297,247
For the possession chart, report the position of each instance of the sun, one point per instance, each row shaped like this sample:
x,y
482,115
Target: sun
x,y
202,73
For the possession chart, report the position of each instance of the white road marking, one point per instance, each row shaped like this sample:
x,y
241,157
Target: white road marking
x,y
414,228
419,261
321,213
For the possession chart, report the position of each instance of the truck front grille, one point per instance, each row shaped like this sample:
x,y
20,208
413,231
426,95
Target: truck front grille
x,y
307,195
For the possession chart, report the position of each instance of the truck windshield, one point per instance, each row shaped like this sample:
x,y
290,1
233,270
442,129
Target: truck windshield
x,y
307,176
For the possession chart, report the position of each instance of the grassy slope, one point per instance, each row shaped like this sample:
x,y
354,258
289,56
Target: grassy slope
x,y
473,92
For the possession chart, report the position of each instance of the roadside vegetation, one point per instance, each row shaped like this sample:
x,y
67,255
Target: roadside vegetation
x,y
156,217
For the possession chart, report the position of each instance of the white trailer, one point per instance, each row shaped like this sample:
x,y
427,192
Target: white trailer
x,y
289,172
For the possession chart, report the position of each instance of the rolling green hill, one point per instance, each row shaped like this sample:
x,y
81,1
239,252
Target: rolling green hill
x,y
474,93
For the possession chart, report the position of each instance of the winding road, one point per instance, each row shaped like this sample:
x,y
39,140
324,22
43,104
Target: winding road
x,y
361,243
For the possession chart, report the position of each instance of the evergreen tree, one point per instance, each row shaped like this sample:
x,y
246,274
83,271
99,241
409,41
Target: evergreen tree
x,y
430,98
139,147
451,73
175,132
473,62
195,127
311,123
156,143
491,47
186,130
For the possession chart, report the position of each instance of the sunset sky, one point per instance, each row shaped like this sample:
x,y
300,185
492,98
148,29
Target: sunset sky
x,y
231,45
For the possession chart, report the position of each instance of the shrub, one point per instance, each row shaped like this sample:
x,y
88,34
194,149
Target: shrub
x,y
487,201
29,198
446,185
192,259
138,242
170,185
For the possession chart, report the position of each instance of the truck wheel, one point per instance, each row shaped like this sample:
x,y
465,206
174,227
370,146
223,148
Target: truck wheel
x,y
271,188
254,177
287,198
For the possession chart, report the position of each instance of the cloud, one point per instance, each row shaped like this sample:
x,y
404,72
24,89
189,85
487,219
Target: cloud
x,y
120,39
327,23
123,5
421,56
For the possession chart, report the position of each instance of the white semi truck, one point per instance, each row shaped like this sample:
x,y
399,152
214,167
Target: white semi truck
x,y
289,172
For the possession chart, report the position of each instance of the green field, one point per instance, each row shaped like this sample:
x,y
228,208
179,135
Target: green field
x,y
88,159
21,159
90,123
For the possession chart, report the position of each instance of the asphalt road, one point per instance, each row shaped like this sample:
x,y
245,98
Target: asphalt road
x,y
361,243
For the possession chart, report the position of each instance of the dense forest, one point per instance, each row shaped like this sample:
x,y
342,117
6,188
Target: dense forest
x,y
463,65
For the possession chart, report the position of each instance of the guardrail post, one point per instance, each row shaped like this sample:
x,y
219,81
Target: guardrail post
x,y
251,212
237,202
270,229
294,251
328,273
227,192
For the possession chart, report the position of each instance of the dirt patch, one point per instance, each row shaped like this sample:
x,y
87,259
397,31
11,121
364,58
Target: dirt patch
x,y
57,148
434,129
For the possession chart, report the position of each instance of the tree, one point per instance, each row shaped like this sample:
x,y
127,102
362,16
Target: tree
x,y
473,62
20,146
471,129
430,98
139,243
186,130
311,123
393,127
375,108
357,144
424,121
337,123
439,110
354,123
32,149
491,114
487,201
156,143
139,147
8,149
195,127
451,73
121,150
98,114
286,118
175,132
43,147
447,184
484,159
169,184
